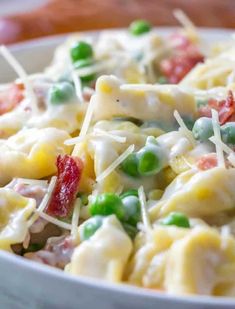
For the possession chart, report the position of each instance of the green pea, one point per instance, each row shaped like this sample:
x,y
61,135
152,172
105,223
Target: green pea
x,y
150,160
131,206
228,133
82,64
61,93
139,27
176,218
90,227
107,204
131,192
130,230
130,165
81,50
203,129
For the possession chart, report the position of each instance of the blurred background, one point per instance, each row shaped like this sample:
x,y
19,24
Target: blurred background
x,y
27,19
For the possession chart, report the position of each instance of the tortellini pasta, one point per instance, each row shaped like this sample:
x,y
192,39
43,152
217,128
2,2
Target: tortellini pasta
x,y
185,261
198,194
158,103
31,153
15,210
104,255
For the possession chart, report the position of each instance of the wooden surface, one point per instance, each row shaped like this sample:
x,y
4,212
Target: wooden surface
x,y
60,16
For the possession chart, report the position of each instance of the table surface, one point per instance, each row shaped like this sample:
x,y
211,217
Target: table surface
x,y
61,16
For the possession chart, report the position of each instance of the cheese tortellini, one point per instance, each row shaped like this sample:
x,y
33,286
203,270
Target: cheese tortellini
x,y
15,210
198,194
31,153
182,261
157,103
104,255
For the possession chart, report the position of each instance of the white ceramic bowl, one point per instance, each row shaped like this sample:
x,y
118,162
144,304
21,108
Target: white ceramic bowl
x,y
28,285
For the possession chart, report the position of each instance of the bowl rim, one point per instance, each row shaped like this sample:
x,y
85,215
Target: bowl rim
x,y
50,272
57,38
122,288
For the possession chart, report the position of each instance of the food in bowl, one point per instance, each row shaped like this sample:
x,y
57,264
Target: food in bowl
x,y
117,162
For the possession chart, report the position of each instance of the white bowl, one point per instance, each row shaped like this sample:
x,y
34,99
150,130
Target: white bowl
x,y
28,285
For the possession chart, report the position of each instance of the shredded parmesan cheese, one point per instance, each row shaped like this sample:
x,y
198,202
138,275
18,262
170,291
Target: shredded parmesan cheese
x,y
55,221
143,87
47,196
216,129
44,201
28,181
21,73
115,164
86,123
184,20
144,211
116,138
184,128
75,217
225,147
231,159
96,67
78,86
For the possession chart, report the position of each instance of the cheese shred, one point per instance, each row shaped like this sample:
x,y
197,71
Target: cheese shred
x,y
44,201
75,217
184,128
116,163
217,135
85,127
78,86
144,211
116,138
16,66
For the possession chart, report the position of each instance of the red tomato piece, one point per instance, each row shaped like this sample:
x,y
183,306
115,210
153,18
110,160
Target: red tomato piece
x,y
10,98
207,161
66,188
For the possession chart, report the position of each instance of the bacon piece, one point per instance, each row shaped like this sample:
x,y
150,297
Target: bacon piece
x,y
10,98
186,56
68,178
207,161
175,68
57,252
225,108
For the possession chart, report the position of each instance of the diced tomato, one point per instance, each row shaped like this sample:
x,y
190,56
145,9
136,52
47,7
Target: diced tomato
x,y
10,98
207,161
186,56
66,188
225,108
